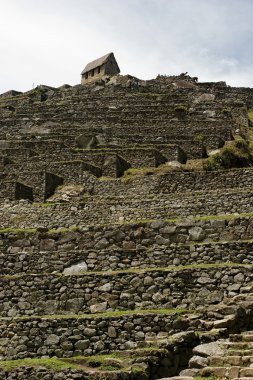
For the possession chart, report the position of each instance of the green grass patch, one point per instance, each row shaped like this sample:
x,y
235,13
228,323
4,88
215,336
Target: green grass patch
x,y
109,314
52,364
62,230
106,179
250,117
137,271
131,223
171,268
182,108
234,154
224,217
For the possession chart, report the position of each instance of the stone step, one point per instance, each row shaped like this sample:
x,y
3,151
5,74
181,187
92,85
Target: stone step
x,y
237,345
241,353
241,337
221,372
246,372
242,360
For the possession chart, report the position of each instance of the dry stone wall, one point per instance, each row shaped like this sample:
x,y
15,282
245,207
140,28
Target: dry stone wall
x,y
132,235
68,336
16,259
178,182
156,289
90,209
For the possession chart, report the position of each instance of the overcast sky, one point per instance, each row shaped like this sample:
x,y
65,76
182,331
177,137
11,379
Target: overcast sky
x,y
50,41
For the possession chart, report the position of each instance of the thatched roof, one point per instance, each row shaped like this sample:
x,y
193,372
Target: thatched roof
x,y
98,62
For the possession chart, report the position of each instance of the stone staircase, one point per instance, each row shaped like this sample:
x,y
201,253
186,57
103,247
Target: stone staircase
x,y
229,358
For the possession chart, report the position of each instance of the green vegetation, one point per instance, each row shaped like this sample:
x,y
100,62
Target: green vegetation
x,y
139,171
109,314
105,179
158,269
181,108
62,230
145,171
199,137
133,222
52,364
171,268
226,111
250,117
234,154
99,363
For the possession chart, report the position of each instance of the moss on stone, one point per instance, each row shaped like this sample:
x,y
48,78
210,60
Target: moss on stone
x,y
234,154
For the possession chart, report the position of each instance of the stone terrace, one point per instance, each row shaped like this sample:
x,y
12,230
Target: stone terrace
x,y
109,276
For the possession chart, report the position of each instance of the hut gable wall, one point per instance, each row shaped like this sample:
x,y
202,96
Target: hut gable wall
x,y
111,66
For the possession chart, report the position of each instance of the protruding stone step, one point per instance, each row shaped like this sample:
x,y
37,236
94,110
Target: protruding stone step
x,y
220,372
235,352
246,372
189,372
217,361
208,349
241,337
236,345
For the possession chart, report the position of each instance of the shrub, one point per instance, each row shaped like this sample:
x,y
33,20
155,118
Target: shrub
x,y
250,117
199,137
226,112
235,154
181,109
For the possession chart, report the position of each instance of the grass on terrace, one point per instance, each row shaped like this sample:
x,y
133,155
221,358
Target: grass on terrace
x,y
51,364
108,314
171,268
250,116
133,222
123,361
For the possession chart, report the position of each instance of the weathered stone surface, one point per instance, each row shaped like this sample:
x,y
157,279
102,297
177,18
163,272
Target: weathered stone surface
x,y
76,268
198,362
208,349
82,345
52,339
106,287
103,243
196,234
99,307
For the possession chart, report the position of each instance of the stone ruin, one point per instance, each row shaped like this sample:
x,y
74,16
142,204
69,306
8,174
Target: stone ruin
x,y
110,275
